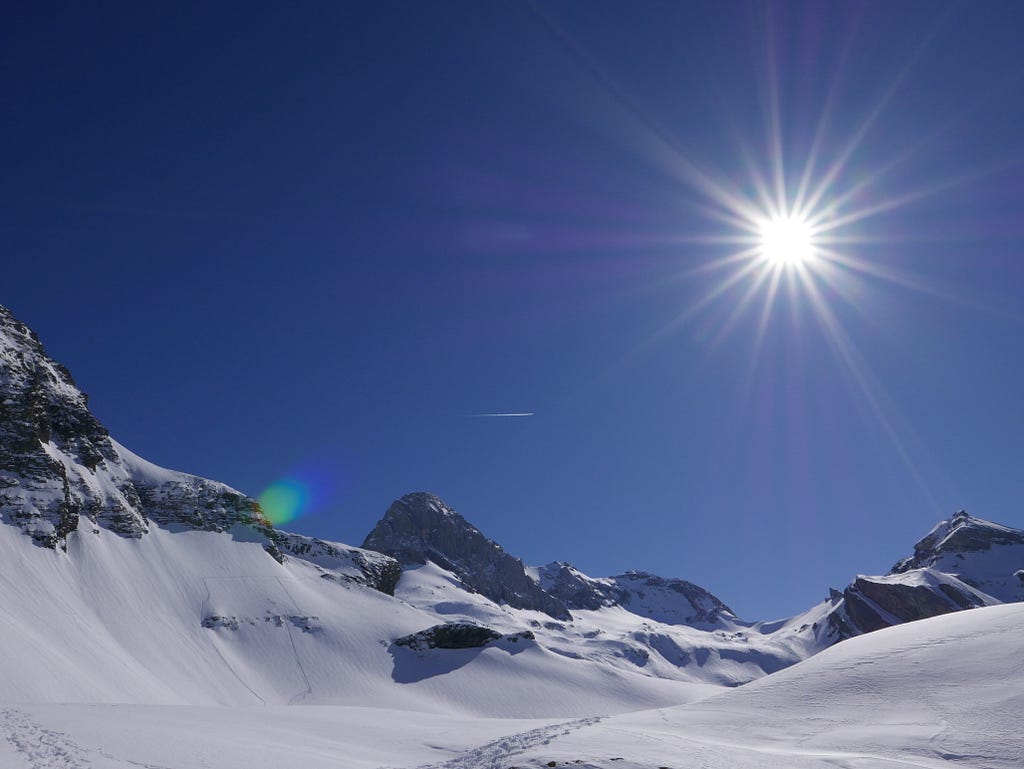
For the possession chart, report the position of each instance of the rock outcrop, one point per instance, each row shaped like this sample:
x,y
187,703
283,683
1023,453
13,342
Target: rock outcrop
x,y
57,462
337,562
458,635
672,601
419,527
963,563
59,466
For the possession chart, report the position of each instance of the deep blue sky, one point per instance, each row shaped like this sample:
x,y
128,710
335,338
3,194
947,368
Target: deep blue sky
x,y
279,239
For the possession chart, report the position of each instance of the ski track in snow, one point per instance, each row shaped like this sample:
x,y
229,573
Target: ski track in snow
x,y
44,748
495,754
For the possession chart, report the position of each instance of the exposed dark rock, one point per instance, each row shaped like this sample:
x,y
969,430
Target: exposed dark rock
x,y
674,601
960,564
49,441
907,602
338,562
578,591
306,623
216,620
420,527
961,598
58,462
870,604
451,635
961,534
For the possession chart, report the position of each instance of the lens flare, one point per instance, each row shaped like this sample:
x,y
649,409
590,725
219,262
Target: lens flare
x,y
285,500
314,486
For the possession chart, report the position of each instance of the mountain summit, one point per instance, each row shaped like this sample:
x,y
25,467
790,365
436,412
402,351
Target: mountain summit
x,y
58,462
987,556
419,527
60,469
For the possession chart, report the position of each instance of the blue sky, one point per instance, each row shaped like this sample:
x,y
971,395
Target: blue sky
x,y
309,243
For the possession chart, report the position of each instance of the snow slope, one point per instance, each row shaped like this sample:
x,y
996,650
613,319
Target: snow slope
x,y
943,692
207,618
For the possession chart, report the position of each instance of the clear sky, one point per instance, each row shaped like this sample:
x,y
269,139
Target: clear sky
x,y
311,241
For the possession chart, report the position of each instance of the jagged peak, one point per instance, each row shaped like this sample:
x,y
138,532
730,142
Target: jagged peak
x,y
964,531
58,462
961,533
420,527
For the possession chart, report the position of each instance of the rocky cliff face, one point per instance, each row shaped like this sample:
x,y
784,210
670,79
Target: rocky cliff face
x,y
962,563
59,468
420,527
985,555
672,601
58,463
56,460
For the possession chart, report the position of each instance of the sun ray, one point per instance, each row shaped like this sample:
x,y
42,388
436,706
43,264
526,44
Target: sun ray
x,y
898,201
876,112
913,282
767,271
774,118
867,385
723,285
806,178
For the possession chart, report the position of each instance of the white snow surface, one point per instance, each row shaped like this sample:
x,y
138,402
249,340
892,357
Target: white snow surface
x,y
944,692
121,620
183,649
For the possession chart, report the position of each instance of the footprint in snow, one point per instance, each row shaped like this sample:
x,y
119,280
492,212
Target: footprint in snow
x,y
495,754
44,748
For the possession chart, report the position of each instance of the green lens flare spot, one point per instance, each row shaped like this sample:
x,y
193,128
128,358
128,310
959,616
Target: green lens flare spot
x,y
284,501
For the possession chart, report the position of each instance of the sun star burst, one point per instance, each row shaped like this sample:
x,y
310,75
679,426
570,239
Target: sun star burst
x,y
786,241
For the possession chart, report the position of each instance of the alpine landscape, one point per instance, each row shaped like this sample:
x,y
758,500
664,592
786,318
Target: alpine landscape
x,y
152,618
518,384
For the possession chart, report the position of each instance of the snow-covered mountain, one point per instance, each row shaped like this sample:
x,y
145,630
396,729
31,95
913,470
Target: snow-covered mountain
x,y
123,582
963,563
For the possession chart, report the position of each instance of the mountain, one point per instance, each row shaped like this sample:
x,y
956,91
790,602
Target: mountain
x,y
127,582
963,563
124,582
420,527
60,470
671,601
673,628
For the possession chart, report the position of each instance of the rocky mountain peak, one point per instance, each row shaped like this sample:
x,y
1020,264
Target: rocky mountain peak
x,y
958,536
672,601
420,527
58,462
59,466
50,445
963,562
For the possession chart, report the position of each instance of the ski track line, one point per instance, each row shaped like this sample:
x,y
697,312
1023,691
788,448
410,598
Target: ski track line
x,y
213,644
44,748
495,754
295,650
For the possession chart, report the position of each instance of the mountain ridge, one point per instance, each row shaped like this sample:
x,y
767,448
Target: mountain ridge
x,y
71,489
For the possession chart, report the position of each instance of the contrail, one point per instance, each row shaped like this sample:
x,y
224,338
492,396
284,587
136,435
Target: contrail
x,y
520,414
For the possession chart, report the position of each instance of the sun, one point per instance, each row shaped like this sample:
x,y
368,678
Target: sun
x,y
786,241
